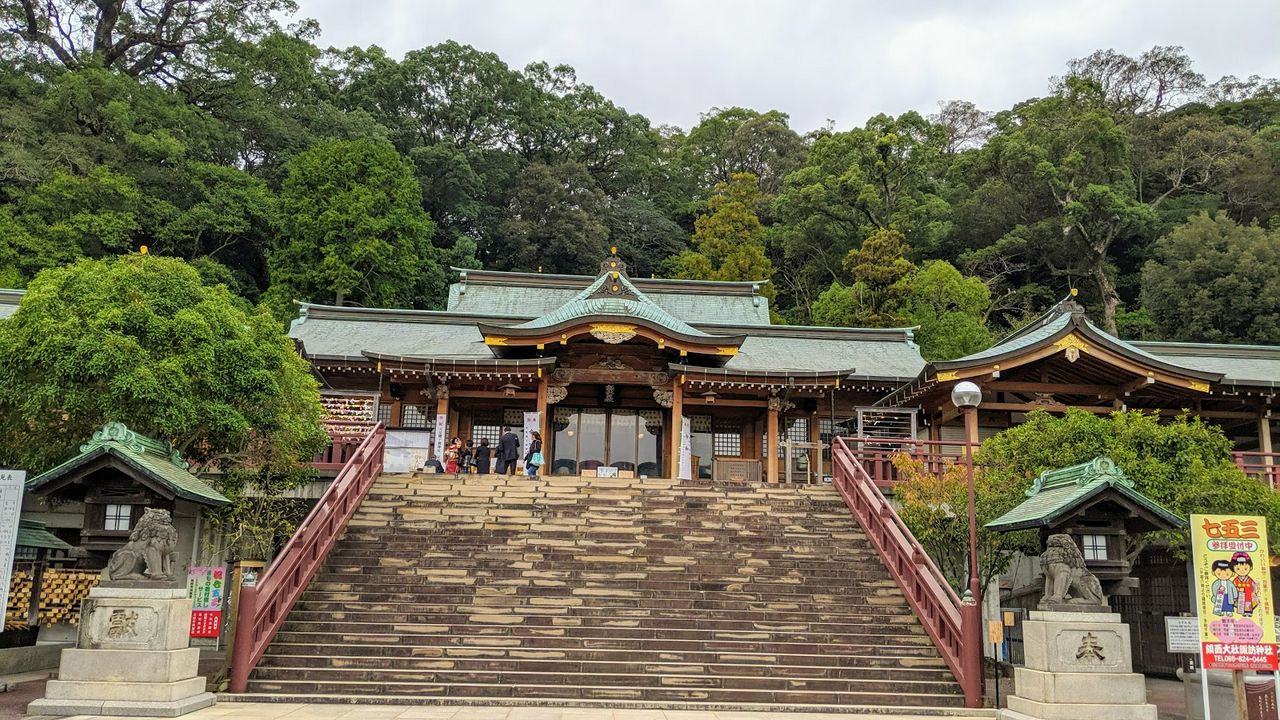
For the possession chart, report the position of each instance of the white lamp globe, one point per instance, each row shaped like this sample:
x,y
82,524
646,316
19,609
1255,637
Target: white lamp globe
x,y
966,395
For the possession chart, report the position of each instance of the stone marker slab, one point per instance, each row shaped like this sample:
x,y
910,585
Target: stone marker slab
x,y
175,708
131,691
135,623
129,665
1077,646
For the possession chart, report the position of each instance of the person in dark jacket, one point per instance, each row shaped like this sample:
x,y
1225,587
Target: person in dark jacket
x,y
482,454
530,467
508,452
433,465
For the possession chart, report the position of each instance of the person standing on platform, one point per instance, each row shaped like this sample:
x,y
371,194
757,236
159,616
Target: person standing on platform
x,y
533,458
465,455
483,452
451,454
508,452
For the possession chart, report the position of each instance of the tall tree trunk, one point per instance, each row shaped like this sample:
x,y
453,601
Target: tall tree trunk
x,y
1110,298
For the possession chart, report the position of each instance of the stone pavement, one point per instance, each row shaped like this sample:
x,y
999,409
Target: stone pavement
x,y
296,711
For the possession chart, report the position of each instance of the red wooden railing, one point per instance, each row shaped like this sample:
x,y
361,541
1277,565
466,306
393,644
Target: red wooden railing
x,y
264,606
876,455
1261,465
344,440
954,626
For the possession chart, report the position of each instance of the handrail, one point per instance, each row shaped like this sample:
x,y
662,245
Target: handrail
x,y
952,625
1264,466
876,455
264,606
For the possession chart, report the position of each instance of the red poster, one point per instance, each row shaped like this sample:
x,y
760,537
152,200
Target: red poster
x,y
206,623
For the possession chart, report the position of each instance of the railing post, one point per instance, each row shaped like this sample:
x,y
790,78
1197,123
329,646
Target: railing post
x,y
242,650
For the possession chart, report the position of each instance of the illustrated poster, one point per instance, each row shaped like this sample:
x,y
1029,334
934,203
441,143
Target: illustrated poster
x,y
207,586
1233,592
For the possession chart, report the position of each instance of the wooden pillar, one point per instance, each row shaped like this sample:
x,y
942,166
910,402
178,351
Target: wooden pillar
x,y
677,412
815,437
544,422
1264,434
771,444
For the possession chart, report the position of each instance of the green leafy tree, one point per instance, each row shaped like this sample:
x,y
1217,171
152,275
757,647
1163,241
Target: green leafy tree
x,y
164,39
948,309
728,240
854,184
935,506
728,141
1213,280
141,340
555,222
1185,465
353,230
643,234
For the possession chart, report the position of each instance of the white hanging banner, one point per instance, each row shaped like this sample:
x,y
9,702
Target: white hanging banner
x,y
12,483
532,421
686,449
441,421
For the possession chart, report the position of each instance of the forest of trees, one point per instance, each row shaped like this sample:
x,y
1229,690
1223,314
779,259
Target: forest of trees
x,y
212,131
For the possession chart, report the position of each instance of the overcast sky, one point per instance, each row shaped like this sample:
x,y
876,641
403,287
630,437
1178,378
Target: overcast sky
x,y
814,59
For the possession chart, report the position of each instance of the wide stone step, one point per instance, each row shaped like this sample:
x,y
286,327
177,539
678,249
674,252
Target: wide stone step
x,y
603,692
658,679
630,606
476,640
559,616
621,666
614,591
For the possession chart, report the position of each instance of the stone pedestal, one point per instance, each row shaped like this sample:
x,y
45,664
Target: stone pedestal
x,y
132,658
1079,666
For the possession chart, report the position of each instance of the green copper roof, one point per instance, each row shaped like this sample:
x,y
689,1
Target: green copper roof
x,y
524,296
156,460
1064,318
1056,493
35,534
612,294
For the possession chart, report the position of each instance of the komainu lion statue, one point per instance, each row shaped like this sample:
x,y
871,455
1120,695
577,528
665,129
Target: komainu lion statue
x,y
151,552
1065,578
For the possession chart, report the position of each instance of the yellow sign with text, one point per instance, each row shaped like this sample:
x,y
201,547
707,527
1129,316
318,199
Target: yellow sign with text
x,y
1233,592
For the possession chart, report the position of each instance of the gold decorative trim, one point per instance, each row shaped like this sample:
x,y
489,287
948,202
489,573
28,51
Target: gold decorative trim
x,y
613,327
495,340
1072,341
730,351
947,375
612,333
1198,386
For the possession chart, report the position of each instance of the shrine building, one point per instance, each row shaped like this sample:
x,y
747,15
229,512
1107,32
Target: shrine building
x,y
610,361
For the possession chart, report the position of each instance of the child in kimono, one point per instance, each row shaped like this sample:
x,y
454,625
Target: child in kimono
x,y
1223,591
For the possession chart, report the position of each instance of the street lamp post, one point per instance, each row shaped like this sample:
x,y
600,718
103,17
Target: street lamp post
x,y
966,396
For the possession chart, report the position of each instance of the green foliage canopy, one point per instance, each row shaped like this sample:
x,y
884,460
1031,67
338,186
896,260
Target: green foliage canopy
x,y
139,339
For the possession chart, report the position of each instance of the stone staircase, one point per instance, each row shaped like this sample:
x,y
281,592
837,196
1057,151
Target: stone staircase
x,y
609,592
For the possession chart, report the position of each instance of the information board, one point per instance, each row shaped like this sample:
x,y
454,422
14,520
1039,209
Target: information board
x,y
1233,592
1182,635
207,586
12,483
